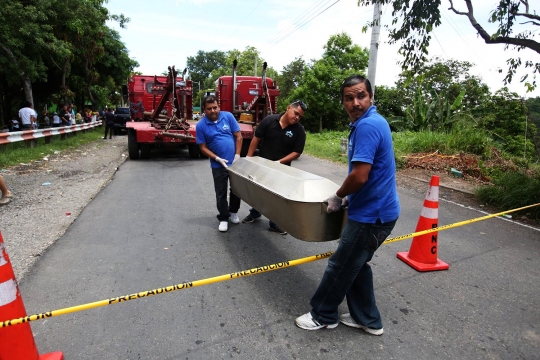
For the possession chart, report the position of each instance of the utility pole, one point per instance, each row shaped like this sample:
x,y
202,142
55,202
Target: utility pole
x,y
255,66
374,47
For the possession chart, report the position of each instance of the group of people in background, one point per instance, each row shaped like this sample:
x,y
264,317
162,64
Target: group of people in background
x,y
28,118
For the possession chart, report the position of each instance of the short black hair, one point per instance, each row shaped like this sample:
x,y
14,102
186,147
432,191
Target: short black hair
x,y
209,99
353,80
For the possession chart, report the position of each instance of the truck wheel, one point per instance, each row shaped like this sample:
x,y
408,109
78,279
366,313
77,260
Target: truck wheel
x,y
133,147
194,151
145,151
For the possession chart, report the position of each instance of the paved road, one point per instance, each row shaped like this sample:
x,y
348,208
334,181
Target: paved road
x,y
154,225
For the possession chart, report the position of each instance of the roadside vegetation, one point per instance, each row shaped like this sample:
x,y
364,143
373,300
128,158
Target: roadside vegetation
x,y
17,153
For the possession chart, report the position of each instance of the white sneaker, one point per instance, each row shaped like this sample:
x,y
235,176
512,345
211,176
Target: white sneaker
x,y
349,321
307,322
223,226
234,218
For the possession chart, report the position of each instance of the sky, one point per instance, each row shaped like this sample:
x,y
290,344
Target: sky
x,y
163,33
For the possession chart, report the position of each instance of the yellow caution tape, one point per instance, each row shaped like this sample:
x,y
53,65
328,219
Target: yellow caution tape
x,y
451,226
234,275
181,286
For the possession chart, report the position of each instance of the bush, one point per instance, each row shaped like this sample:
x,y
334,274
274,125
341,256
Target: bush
x,y
513,190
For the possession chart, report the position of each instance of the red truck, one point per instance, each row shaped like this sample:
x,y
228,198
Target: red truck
x,y
169,99
249,99
161,109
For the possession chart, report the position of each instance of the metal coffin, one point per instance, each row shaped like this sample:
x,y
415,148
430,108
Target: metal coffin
x,y
290,197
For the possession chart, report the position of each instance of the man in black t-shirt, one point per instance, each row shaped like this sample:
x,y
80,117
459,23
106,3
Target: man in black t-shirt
x,y
283,140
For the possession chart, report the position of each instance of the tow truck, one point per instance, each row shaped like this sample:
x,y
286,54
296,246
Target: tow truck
x,y
249,98
171,120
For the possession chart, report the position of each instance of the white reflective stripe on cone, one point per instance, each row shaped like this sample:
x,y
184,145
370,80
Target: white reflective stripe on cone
x,y
429,213
8,292
433,194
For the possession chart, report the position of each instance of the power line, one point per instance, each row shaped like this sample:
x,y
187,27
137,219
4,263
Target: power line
x,y
277,41
247,17
314,7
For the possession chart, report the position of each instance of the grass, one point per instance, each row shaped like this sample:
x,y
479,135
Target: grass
x,y
16,153
326,145
510,190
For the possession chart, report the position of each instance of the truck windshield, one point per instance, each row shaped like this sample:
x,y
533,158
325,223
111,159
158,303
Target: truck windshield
x,y
122,111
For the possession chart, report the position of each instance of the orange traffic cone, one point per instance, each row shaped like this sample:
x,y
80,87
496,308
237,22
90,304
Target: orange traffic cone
x,y
422,255
17,340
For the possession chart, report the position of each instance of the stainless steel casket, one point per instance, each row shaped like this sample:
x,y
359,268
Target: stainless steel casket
x,y
290,197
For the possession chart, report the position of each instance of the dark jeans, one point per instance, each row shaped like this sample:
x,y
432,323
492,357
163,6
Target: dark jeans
x,y
221,182
349,274
26,127
255,214
56,125
109,126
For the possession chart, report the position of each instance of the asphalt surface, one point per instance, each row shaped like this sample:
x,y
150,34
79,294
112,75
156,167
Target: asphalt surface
x,y
154,225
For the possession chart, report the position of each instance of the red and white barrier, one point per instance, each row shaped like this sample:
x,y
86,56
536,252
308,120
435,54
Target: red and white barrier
x,y
11,137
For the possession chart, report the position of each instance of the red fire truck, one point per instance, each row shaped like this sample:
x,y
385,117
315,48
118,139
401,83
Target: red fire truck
x,y
161,114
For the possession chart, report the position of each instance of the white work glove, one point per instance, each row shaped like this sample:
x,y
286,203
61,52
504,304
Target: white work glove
x,y
223,162
345,202
334,204
236,157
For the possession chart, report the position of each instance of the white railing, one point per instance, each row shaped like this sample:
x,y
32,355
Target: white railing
x,y
33,135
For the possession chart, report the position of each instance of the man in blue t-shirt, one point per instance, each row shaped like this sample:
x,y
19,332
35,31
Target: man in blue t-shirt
x,y
219,138
373,208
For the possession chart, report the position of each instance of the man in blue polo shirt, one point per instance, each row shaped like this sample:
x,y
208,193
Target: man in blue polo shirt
x,y
219,138
371,193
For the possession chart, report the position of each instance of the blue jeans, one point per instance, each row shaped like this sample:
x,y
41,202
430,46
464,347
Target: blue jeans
x,y
221,180
348,274
255,214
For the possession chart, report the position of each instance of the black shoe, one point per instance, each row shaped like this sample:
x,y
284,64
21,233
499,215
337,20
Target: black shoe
x,y
249,219
277,229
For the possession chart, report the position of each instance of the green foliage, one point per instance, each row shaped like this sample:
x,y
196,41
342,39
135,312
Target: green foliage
x,y
512,190
448,77
17,153
413,22
289,79
72,52
326,145
201,65
389,101
320,83
433,112
503,115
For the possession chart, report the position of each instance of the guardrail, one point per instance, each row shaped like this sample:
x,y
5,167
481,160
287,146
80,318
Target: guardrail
x,y
31,136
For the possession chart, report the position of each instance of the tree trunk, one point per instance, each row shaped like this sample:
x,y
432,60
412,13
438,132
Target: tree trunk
x,y
64,74
28,90
320,123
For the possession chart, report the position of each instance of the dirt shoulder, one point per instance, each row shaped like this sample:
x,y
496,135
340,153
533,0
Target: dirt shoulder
x,y
49,194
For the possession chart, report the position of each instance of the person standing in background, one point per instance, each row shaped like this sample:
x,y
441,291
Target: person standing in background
x,y
27,116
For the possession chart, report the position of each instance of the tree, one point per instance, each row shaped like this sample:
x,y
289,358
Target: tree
x,y
201,65
320,83
446,78
289,79
25,40
413,22
56,55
